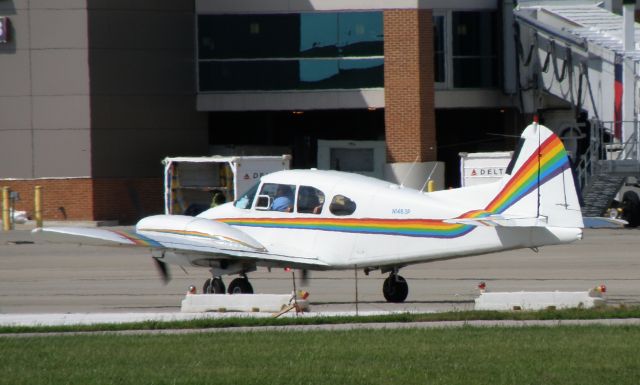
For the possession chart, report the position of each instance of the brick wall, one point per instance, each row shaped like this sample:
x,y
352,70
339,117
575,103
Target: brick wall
x,y
127,199
408,85
61,198
122,199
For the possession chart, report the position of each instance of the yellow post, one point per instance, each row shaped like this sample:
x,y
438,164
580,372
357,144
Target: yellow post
x,y
6,219
37,205
431,186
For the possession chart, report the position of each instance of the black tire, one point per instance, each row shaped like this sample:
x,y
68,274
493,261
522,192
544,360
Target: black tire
x,y
206,286
213,286
631,208
395,289
218,286
240,286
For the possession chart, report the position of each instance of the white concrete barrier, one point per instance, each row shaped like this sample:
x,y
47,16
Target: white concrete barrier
x,y
524,300
198,303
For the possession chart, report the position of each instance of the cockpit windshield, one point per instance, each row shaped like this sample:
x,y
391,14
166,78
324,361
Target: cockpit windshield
x,y
246,199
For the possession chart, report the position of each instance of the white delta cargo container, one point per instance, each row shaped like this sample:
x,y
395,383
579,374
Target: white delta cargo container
x,y
483,167
191,183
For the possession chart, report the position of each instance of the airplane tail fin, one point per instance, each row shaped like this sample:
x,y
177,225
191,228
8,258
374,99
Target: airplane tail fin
x,y
538,188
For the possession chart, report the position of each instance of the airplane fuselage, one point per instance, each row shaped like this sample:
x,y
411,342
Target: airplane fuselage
x,y
390,226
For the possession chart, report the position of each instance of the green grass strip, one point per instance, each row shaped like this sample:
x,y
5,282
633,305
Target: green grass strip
x,y
566,314
467,355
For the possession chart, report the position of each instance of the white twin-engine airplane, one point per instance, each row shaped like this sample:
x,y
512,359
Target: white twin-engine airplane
x,y
326,220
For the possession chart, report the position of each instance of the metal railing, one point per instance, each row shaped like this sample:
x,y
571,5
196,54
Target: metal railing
x,y
604,146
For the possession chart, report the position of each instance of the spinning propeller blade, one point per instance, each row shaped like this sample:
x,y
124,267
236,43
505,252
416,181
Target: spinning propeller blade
x,y
163,269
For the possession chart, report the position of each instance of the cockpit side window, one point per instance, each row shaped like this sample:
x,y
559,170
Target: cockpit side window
x,y
310,200
281,196
341,205
246,199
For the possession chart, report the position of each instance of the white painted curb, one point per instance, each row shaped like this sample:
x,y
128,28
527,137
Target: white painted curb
x,y
198,303
524,300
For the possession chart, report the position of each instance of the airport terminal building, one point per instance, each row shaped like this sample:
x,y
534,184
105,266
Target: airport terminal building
x,y
95,93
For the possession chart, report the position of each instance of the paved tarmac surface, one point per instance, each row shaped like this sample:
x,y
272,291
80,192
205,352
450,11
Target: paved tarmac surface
x,y
54,278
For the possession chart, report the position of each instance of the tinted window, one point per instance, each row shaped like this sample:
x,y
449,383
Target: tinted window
x,y
474,33
304,74
310,200
323,50
341,205
474,49
438,49
321,35
247,36
475,72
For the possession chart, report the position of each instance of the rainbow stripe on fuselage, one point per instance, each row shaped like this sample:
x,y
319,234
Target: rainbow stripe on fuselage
x,y
431,228
550,161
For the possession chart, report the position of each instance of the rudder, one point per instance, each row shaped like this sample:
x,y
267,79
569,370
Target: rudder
x,y
539,182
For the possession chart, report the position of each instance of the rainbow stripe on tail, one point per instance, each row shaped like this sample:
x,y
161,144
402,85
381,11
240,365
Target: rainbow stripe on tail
x,y
539,183
541,166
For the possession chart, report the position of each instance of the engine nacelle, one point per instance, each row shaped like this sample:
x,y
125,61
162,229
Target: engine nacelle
x,y
200,230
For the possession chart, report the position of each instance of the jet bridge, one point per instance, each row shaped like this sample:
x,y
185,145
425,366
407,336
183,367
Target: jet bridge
x,y
583,59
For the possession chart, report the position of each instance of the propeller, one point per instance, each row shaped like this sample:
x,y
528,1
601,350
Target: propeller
x,y
163,269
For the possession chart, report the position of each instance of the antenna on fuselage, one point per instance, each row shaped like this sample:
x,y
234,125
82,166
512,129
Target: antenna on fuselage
x,y
409,172
539,150
429,177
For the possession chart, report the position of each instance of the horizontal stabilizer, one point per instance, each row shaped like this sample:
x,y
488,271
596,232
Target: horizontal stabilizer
x,y
604,222
500,221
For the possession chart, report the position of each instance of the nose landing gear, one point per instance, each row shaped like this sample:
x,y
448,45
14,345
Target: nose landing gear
x,y
395,288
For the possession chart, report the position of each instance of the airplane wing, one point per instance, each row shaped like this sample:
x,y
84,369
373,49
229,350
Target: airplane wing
x,y
92,236
200,238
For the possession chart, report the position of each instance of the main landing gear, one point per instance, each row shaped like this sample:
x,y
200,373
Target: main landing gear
x,y
239,285
395,288
213,286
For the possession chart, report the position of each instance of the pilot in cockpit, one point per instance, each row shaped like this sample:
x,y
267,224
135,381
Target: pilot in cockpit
x,y
283,200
